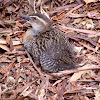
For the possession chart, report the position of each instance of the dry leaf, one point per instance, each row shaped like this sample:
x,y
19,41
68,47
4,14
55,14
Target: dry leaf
x,y
93,14
2,41
97,94
42,92
93,58
10,81
89,1
87,24
16,42
77,75
25,92
76,15
4,47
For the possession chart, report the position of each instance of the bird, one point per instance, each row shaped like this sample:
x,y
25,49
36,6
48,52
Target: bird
x,y
48,46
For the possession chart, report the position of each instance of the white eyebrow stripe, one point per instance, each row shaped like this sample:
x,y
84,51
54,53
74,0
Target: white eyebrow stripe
x,y
40,19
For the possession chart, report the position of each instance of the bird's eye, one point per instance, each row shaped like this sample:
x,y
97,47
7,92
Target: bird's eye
x,y
33,18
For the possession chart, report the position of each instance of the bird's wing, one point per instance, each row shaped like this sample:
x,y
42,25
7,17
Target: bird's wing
x,y
57,55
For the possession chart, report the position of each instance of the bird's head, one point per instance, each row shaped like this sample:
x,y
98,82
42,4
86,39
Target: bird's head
x,y
40,23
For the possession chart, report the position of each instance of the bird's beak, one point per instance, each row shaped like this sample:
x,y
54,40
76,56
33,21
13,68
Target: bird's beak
x,y
25,17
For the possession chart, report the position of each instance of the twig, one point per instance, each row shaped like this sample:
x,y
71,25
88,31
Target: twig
x,y
88,47
66,72
79,30
15,52
79,90
74,9
62,8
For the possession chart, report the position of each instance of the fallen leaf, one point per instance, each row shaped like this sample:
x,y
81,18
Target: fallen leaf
x,y
77,76
89,1
93,58
97,95
26,92
2,41
76,15
4,47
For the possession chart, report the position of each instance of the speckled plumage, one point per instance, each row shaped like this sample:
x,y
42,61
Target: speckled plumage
x,y
50,48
